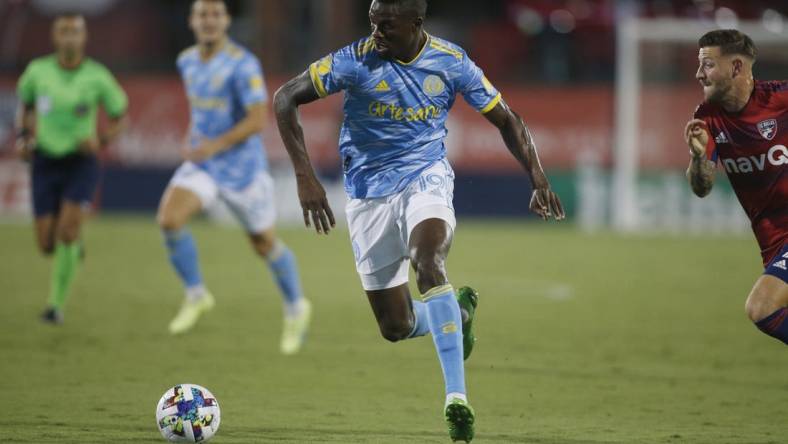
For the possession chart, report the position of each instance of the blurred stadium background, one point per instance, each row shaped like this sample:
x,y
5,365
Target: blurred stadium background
x,y
587,335
555,61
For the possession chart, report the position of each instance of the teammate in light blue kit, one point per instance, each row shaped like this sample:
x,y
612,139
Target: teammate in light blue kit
x,y
225,160
399,85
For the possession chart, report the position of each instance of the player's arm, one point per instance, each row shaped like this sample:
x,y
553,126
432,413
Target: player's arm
x,y
300,91
700,172
115,103
544,201
252,124
25,130
115,126
26,114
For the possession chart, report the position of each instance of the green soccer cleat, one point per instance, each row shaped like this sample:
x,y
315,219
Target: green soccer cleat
x,y
294,330
460,418
468,298
190,312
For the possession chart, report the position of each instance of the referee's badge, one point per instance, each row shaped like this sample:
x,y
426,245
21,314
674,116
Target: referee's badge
x,y
43,105
433,85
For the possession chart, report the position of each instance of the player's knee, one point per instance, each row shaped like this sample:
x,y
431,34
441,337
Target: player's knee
x,y
47,248
759,305
263,244
394,330
68,233
169,222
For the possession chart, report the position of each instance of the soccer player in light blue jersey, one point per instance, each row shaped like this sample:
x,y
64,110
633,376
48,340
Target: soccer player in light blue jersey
x,y
399,85
225,160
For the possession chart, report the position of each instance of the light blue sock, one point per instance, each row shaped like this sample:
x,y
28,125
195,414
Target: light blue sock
x,y
183,256
446,327
421,323
284,267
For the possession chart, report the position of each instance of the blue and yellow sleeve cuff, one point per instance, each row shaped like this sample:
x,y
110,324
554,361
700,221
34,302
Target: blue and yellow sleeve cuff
x,y
317,82
493,103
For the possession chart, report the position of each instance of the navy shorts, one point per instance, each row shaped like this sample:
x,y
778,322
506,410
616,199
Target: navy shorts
x,y
778,266
72,178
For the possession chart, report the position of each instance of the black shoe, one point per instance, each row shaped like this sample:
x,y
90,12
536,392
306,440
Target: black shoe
x,y
52,316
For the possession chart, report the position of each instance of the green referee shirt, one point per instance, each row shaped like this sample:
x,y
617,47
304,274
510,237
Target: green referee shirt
x,y
66,101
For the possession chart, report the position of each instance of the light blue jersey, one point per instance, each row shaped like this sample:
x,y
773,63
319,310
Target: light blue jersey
x,y
220,91
395,112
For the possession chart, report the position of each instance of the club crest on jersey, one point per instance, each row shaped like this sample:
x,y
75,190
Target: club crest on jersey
x,y
767,128
433,85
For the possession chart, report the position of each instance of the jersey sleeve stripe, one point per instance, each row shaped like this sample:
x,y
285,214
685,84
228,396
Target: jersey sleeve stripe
x,y
317,82
493,103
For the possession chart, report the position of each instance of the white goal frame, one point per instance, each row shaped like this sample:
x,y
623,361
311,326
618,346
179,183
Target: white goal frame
x,y
631,32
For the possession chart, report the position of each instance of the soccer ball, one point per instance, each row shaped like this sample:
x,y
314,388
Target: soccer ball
x,y
188,413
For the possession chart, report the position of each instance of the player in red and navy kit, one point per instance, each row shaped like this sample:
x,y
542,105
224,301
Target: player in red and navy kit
x,y
743,126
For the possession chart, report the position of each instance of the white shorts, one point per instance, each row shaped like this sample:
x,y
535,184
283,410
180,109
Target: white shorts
x,y
253,206
380,227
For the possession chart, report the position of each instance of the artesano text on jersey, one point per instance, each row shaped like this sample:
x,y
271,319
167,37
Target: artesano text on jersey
x,y
395,112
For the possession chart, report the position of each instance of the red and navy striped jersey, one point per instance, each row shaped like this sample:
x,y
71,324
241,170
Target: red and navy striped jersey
x,y
752,147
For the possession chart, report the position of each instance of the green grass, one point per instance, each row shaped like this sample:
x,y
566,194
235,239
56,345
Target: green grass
x,y
583,339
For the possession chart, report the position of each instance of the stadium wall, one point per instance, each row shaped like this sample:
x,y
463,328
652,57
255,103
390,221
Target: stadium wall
x,y
572,127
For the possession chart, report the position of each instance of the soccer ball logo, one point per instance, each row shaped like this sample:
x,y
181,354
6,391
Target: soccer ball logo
x,y
188,413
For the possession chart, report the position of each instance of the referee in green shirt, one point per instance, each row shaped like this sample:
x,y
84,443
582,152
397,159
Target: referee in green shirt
x,y
60,95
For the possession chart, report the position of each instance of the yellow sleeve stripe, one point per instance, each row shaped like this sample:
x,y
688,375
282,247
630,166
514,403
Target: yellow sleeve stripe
x,y
435,45
365,47
317,82
493,103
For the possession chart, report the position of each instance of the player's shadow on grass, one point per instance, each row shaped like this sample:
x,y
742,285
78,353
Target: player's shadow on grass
x,y
293,434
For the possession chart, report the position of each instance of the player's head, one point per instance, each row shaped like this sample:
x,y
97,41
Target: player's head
x,y
209,20
69,34
396,25
726,57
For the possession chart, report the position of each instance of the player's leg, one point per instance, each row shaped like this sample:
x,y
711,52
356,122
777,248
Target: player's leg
x,y
77,179
430,242
255,208
188,192
381,255
66,255
45,233
398,315
284,268
430,222
47,191
767,303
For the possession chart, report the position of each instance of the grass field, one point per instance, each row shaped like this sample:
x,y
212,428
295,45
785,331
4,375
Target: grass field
x,y
583,339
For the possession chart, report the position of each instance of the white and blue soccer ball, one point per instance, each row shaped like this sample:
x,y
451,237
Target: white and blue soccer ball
x,y
188,413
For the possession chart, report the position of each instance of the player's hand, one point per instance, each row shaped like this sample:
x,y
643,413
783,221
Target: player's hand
x,y
696,134
546,203
204,151
90,146
24,148
315,204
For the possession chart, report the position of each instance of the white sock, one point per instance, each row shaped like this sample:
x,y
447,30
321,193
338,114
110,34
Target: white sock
x,y
295,309
452,396
194,294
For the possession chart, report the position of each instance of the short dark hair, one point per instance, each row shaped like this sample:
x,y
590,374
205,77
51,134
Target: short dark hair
x,y
209,1
69,15
730,41
417,7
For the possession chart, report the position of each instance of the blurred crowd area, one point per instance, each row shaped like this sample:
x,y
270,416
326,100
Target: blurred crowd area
x,y
554,60
553,42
